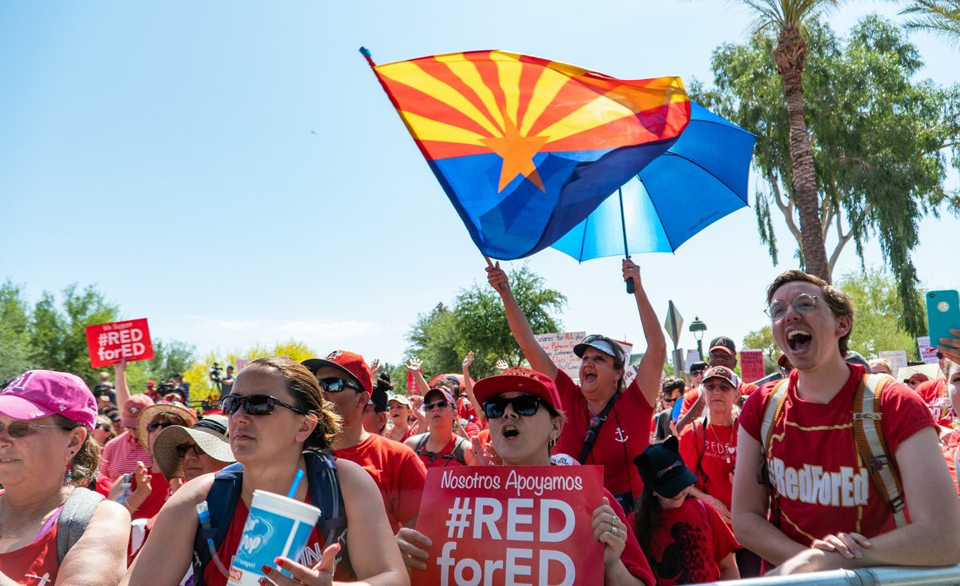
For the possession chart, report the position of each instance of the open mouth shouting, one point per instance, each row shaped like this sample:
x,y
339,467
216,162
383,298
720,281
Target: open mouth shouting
x,y
799,340
510,432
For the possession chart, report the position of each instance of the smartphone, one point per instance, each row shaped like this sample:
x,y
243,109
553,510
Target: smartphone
x,y
943,314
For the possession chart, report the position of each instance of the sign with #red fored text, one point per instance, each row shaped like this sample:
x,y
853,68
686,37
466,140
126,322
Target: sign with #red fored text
x,y
511,525
109,343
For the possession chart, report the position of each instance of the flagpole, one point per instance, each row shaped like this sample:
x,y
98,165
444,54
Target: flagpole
x,y
623,224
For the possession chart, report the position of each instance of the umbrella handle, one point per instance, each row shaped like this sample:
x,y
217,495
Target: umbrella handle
x,y
630,287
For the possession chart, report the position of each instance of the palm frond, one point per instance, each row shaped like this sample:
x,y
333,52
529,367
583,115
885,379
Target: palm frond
x,y
941,17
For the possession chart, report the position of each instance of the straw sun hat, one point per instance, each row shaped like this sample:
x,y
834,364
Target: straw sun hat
x,y
153,411
210,434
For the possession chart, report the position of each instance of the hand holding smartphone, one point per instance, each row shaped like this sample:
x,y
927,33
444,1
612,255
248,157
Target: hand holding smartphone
x,y
943,315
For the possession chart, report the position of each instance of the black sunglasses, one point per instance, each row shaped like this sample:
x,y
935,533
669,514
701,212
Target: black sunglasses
x,y
441,404
182,450
335,384
255,404
525,405
155,425
696,372
18,429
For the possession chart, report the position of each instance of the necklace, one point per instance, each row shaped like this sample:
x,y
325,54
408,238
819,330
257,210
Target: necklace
x,y
6,532
727,448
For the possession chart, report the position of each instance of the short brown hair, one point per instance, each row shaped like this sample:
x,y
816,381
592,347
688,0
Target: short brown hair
x,y
838,301
305,390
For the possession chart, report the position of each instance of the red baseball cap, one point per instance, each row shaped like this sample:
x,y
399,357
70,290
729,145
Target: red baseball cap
x,y
519,379
347,362
441,391
132,408
722,372
42,393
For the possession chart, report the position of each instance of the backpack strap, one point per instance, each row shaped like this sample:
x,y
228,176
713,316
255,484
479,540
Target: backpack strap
x,y
77,511
868,433
771,412
324,487
222,504
458,449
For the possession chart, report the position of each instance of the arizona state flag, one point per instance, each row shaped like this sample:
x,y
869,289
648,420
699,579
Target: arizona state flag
x,y
526,148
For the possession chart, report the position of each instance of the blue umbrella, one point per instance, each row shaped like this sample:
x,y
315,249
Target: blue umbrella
x,y
700,179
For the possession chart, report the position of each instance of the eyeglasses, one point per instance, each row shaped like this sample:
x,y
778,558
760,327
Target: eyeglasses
x,y
18,429
183,449
673,400
155,425
697,372
803,303
336,385
254,404
441,404
524,405
104,427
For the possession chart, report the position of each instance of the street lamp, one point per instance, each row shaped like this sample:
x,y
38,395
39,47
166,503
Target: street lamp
x,y
697,328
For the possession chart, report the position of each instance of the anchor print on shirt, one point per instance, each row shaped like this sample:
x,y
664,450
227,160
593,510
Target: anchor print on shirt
x,y
621,437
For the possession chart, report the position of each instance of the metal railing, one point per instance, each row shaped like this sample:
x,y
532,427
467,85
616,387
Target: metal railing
x,y
885,576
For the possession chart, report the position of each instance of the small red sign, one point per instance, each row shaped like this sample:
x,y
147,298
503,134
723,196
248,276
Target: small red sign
x,y
511,525
751,365
109,343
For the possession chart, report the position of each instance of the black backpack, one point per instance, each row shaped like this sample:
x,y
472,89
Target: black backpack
x,y
323,484
457,454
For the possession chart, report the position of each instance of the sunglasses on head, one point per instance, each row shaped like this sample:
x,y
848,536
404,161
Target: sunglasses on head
x,y
182,450
524,405
155,425
441,404
18,429
255,405
335,384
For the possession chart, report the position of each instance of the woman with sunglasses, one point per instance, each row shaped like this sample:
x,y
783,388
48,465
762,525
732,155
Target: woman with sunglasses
x,y
609,422
275,412
46,453
524,411
144,491
440,447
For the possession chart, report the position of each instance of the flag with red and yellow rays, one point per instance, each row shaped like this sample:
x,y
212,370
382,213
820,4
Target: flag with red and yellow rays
x,y
526,148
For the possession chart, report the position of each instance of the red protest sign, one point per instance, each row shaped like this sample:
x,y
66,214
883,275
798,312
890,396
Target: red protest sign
x,y
109,343
751,365
511,525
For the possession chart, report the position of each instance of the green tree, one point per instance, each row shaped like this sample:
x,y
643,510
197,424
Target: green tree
x,y
880,141
57,334
876,327
478,323
789,21
14,337
940,17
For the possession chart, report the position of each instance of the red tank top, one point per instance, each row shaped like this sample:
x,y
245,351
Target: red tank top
x,y
35,564
310,556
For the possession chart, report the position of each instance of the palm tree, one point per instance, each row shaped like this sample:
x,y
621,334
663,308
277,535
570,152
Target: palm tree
x,y
789,18
936,16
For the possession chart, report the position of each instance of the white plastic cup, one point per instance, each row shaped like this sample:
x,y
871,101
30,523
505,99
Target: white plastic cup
x,y
276,526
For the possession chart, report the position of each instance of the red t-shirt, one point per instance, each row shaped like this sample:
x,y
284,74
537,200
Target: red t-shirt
x,y
689,398
932,389
308,557
159,493
689,543
949,449
716,450
398,472
622,437
747,389
819,485
632,556
934,393
465,410
438,461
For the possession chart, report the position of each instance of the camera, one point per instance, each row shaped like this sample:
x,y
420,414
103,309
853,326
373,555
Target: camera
x,y
215,372
164,388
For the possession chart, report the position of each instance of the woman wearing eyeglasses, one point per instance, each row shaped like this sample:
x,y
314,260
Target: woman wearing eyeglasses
x,y
609,422
524,411
46,452
143,492
275,412
440,447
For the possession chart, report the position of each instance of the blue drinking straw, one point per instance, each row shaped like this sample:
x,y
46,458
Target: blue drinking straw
x,y
296,484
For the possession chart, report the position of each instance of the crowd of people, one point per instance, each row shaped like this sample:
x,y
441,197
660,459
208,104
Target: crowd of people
x,y
830,463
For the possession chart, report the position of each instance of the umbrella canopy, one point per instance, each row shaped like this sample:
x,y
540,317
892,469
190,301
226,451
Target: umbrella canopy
x,y
700,179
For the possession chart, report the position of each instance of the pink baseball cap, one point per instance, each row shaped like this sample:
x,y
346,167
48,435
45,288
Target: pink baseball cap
x,y
42,393
132,409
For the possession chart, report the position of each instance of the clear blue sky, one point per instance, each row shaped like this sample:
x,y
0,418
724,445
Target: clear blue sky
x,y
233,172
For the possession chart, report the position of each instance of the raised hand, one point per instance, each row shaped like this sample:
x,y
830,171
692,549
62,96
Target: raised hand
x,y
498,278
468,360
414,364
631,271
502,365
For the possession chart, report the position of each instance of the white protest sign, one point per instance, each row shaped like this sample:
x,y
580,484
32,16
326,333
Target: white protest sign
x,y
692,356
927,354
559,347
896,358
